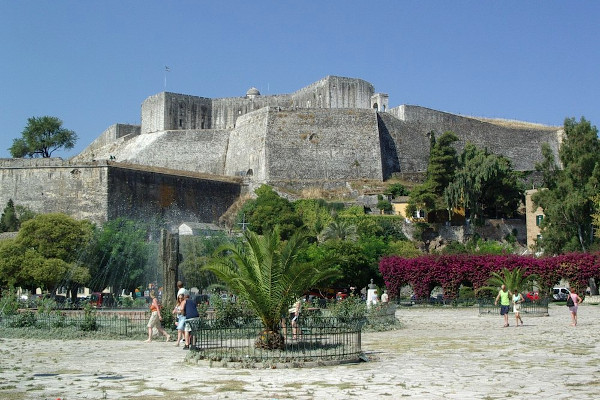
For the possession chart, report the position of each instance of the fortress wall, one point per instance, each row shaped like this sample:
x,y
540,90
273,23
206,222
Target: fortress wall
x,y
139,194
246,150
404,146
53,185
153,113
226,111
171,111
520,142
190,150
309,144
113,133
335,92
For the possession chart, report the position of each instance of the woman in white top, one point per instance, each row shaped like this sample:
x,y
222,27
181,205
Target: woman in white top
x,y
517,300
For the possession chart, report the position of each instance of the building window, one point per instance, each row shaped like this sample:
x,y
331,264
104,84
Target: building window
x,y
539,219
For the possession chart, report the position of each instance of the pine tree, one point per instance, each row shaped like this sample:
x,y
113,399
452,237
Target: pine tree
x,y
9,221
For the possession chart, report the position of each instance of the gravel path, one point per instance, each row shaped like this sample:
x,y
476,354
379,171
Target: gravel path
x,y
438,354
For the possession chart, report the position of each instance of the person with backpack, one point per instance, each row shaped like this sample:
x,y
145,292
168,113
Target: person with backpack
x,y
573,302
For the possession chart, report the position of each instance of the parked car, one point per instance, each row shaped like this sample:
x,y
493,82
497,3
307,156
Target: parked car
x,y
98,300
560,293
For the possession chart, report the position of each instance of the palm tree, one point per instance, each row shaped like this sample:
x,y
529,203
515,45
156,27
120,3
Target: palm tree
x,y
515,280
268,274
339,229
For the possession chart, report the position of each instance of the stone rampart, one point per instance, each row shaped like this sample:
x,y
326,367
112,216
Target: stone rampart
x,y
246,154
335,92
520,142
102,190
54,185
173,111
139,193
338,144
112,134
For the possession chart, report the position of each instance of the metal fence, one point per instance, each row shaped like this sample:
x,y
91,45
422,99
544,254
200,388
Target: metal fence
x,y
528,307
314,338
124,324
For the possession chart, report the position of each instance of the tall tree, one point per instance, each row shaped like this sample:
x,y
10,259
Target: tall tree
x,y
9,221
268,274
118,255
41,137
568,200
484,184
269,210
49,249
440,172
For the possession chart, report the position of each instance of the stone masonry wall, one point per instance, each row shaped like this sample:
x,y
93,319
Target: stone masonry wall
x,y
101,191
53,185
113,133
246,151
141,193
520,142
323,144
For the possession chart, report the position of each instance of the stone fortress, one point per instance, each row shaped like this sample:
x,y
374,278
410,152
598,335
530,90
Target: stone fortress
x,y
326,134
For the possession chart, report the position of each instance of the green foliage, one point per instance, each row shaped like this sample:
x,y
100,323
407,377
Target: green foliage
x,y
315,214
24,319
268,274
440,172
117,255
9,304
403,248
228,313
515,280
46,253
568,200
396,190
485,184
384,205
349,309
269,210
196,252
9,221
89,322
41,137
357,261
339,229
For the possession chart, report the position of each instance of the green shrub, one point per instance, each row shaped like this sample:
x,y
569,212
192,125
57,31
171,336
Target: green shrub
x,y
89,320
24,319
9,303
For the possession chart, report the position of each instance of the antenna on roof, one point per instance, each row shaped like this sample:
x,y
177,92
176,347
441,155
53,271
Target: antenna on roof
x,y
167,69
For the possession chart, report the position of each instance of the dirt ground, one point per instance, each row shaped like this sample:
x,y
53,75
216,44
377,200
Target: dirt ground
x,y
438,354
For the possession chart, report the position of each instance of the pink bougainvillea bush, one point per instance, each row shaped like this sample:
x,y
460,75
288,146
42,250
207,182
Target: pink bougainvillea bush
x,y
450,271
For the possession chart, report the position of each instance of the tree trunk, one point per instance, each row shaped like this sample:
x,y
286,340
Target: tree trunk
x,y
169,259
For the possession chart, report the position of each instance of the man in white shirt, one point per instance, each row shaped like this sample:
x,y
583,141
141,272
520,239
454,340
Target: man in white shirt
x,y
181,289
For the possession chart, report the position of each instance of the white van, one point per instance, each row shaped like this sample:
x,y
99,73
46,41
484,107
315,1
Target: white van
x,y
560,293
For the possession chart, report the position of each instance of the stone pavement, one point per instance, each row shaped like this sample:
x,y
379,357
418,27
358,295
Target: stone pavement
x,y
438,354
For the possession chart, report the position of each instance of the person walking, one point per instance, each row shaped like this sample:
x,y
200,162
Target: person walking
x,y
517,299
294,315
178,312
573,305
155,319
190,311
180,289
504,297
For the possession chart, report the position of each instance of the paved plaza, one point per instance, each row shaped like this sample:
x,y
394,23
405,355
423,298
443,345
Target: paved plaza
x,y
439,353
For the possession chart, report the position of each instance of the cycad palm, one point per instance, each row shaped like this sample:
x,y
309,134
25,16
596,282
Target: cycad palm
x,y
339,229
267,273
515,279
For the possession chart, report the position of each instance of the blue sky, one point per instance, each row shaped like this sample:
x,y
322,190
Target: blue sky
x,y
92,63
